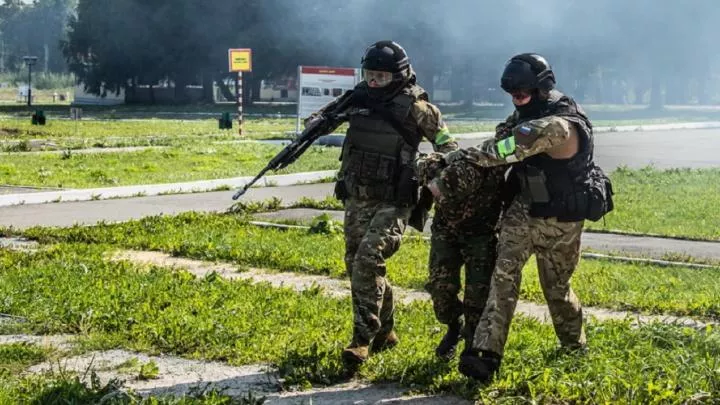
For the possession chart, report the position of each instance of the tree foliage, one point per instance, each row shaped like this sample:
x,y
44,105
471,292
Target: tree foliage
x,y
31,29
615,51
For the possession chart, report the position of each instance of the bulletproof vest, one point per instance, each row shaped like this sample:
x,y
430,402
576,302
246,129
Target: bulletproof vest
x,y
554,187
380,148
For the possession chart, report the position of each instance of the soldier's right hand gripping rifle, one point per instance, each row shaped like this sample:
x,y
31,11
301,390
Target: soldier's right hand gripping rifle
x,y
320,125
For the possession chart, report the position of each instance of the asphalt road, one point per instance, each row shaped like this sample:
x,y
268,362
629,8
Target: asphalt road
x,y
663,149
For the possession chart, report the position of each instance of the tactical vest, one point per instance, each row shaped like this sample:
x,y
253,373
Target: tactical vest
x,y
378,162
559,187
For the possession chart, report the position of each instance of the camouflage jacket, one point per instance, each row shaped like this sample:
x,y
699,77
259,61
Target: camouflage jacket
x,y
474,201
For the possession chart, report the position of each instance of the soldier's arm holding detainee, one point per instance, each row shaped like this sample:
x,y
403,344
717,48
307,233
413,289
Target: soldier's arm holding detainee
x,y
528,139
543,135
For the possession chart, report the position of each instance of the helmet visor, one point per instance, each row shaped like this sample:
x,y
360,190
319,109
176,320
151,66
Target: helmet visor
x,y
377,78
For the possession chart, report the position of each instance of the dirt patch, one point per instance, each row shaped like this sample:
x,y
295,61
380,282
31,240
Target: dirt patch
x,y
62,342
176,376
19,244
297,282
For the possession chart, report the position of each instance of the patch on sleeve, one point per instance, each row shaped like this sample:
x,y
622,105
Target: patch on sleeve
x,y
443,136
525,130
506,147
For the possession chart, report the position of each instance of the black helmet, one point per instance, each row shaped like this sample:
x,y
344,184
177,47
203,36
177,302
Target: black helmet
x,y
385,56
527,71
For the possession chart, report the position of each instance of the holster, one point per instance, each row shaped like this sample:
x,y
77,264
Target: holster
x,y
421,212
341,190
407,187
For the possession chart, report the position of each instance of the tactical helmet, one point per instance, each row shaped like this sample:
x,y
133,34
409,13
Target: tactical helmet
x,y
385,56
527,71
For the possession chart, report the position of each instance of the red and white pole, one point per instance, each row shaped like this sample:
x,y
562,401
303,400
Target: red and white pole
x,y
240,101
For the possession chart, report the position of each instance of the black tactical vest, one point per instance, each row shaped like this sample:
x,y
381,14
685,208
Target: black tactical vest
x,y
558,187
378,161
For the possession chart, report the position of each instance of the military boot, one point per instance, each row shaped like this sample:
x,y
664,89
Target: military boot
x,y
448,344
355,354
384,341
479,367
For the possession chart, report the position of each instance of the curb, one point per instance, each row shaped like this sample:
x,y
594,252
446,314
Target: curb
x,y
160,189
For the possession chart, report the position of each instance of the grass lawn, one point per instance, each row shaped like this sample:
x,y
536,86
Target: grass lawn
x,y
674,202
118,304
646,288
168,165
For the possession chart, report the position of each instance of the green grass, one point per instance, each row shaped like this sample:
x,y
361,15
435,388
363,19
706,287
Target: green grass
x,y
675,202
16,357
121,305
146,110
170,165
647,288
159,131
95,131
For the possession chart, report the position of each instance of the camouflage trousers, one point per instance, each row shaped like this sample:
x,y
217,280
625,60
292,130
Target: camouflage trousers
x,y
373,232
448,253
556,246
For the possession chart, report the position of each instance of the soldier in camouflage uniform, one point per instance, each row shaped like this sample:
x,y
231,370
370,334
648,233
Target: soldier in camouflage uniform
x,y
551,145
463,234
378,184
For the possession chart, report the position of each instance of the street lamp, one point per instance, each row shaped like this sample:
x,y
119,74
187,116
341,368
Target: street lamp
x,y
30,61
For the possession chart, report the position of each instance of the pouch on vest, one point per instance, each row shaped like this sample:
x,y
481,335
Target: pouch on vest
x,y
536,185
341,191
421,213
600,193
407,190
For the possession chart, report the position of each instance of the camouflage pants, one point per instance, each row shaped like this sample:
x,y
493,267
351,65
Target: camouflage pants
x,y
373,231
448,253
556,246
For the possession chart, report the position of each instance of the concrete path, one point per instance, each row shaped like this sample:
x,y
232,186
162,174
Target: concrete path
x,y
91,212
177,376
341,288
42,197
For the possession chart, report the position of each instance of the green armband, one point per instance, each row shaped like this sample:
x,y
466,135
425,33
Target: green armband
x,y
443,136
505,147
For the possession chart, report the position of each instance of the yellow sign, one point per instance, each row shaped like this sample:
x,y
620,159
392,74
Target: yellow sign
x,y
240,60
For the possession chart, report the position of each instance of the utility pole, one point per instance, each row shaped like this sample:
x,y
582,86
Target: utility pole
x,y
30,61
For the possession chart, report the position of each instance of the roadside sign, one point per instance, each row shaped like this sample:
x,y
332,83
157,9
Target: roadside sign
x,y
240,60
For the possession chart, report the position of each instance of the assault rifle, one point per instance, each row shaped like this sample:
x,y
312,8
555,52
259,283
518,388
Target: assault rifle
x,y
317,127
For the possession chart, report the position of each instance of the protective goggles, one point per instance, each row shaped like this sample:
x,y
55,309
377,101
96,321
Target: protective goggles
x,y
377,78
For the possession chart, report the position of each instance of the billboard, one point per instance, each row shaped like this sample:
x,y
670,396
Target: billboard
x,y
319,85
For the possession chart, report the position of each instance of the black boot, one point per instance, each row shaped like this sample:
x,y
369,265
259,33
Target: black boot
x,y
479,367
448,345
